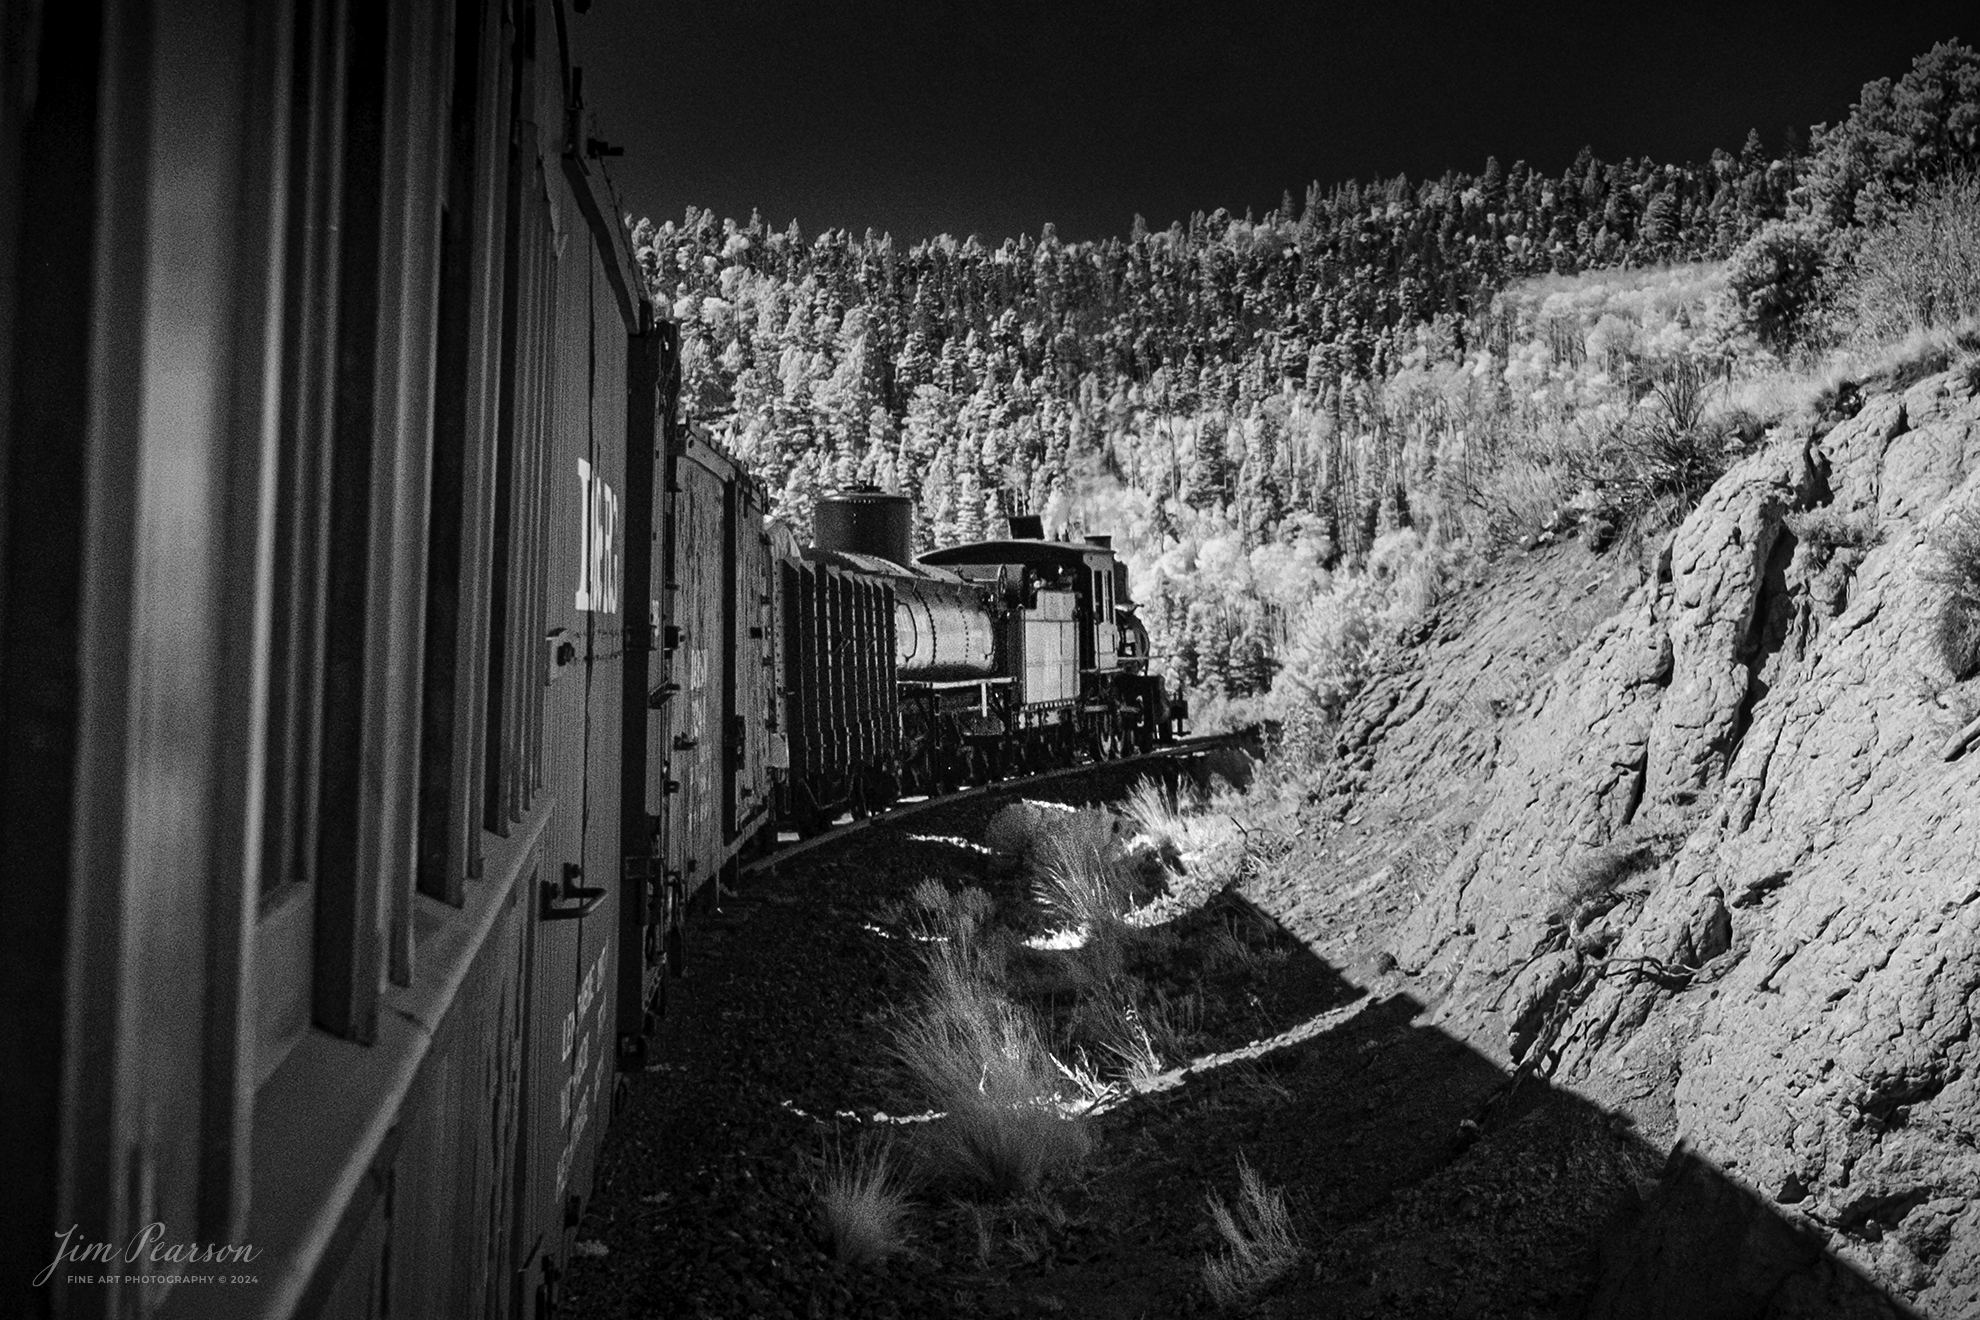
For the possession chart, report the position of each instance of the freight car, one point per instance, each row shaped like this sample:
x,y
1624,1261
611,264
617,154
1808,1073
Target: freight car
x,y
340,471
384,667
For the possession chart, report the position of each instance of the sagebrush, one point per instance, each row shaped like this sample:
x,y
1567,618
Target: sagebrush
x,y
1260,1247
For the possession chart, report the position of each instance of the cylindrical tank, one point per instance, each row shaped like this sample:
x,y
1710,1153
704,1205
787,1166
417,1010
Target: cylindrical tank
x,y
943,630
865,521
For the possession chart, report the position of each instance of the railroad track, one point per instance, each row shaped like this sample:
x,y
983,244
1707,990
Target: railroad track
x,y
785,852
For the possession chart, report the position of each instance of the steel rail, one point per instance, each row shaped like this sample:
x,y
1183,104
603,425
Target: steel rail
x,y
901,811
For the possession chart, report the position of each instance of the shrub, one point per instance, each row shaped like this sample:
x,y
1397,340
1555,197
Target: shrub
x,y
863,1202
1920,272
1511,501
1829,528
1586,885
1660,458
1031,830
1260,1246
1776,278
1190,838
1955,547
1016,828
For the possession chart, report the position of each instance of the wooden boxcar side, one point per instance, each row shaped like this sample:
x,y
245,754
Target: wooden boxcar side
x,y
316,639
700,663
716,783
754,702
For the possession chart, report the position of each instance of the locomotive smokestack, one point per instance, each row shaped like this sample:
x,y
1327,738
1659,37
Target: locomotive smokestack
x,y
865,520
1027,527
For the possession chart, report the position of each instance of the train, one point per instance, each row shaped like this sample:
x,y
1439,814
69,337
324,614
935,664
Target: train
x,y
390,669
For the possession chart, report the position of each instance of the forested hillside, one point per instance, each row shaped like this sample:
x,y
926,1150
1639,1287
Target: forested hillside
x,y
1294,421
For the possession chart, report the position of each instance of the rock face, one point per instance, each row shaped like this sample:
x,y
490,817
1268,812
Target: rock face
x,y
1721,876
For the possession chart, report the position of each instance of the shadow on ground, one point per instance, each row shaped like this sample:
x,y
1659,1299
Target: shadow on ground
x,y
1424,1182
1429,1183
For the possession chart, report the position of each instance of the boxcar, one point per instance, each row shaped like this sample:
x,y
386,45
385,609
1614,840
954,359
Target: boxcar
x,y
717,742
330,407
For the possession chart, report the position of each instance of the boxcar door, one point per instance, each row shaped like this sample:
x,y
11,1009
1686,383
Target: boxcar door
x,y
700,664
752,717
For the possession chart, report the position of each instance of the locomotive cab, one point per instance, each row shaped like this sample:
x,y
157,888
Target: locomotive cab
x,y
1079,651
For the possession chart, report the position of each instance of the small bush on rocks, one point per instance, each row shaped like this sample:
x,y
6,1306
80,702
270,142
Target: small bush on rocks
x,y
1956,567
863,1202
1260,1247
1828,528
1586,886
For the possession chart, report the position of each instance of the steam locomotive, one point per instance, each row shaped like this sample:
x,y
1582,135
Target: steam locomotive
x,y
385,668
1001,657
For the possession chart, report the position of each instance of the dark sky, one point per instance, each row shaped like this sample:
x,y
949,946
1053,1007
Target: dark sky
x,y
995,116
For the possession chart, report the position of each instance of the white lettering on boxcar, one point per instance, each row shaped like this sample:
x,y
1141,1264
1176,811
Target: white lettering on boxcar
x,y
587,1071
598,557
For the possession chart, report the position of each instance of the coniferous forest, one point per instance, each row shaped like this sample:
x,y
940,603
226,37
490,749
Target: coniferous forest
x,y
1294,423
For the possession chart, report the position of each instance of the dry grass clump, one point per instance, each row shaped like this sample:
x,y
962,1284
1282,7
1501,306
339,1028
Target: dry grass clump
x,y
1955,566
863,1205
1136,1032
1195,836
1082,883
982,1059
1260,1247
1511,501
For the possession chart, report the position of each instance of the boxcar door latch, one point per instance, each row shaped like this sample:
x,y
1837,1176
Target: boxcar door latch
x,y
570,901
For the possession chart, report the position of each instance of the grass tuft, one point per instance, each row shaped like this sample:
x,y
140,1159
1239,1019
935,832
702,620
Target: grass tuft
x,y
1260,1247
981,1059
1082,883
863,1205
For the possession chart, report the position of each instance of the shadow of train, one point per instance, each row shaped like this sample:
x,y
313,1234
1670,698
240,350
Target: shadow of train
x,y
1430,1183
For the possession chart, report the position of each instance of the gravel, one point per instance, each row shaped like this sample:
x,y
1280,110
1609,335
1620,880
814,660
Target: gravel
x,y
1419,1185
